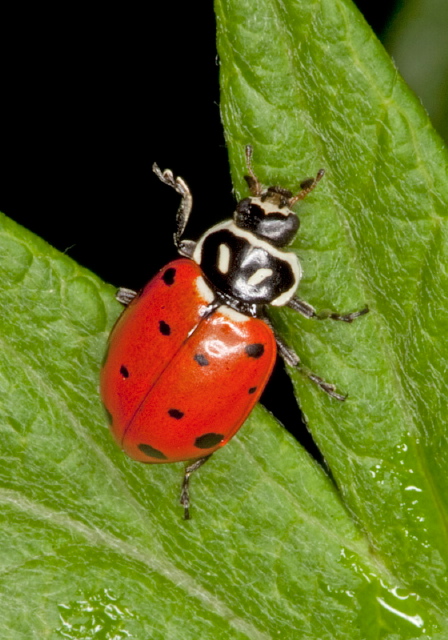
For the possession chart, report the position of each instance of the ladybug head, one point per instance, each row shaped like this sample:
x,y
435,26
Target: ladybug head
x,y
267,213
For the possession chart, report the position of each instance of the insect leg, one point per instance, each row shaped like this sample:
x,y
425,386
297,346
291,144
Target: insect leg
x,y
125,296
308,311
184,210
292,359
185,492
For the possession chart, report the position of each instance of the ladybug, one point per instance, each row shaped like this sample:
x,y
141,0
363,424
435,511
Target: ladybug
x,y
191,354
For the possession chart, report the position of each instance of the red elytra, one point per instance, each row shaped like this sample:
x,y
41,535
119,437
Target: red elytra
x,y
178,385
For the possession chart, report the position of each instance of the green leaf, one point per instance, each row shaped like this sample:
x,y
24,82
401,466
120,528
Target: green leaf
x,y
93,545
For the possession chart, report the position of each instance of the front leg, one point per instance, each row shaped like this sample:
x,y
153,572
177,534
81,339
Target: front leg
x,y
186,248
308,311
186,204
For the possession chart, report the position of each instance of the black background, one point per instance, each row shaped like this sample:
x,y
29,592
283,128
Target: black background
x,y
89,101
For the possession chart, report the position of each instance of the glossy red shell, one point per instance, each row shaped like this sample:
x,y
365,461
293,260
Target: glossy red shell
x,y
177,386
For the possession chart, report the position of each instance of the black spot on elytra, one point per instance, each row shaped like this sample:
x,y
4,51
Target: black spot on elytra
x,y
208,440
164,328
124,372
252,389
175,413
255,350
201,360
151,452
168,276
